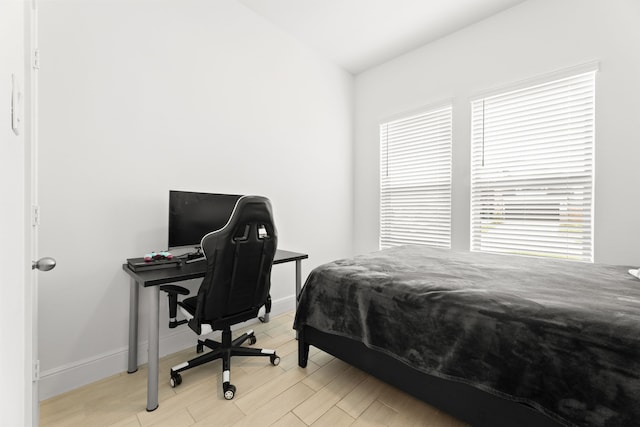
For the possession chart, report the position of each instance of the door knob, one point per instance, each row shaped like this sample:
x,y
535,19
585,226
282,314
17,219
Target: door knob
x,y
44,264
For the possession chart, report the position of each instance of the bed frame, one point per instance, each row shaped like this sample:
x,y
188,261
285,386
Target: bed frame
x,y
460,400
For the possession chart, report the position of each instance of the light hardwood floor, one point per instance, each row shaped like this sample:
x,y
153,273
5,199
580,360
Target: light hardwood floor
x,y
327,393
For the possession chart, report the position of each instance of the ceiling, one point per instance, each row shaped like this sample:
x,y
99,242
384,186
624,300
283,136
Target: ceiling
x,y
359,34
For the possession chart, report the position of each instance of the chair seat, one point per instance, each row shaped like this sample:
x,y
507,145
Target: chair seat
x,y
189,306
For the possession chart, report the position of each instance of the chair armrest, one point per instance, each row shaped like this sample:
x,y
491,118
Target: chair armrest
x,y
174,289
172,292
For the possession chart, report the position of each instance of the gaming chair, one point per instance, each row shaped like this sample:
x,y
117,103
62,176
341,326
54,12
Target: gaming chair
x,y
236,285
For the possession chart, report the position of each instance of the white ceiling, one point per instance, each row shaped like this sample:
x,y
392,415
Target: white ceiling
x,y
359,34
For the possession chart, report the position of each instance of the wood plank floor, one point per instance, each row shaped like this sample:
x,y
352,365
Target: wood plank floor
x,y
327,393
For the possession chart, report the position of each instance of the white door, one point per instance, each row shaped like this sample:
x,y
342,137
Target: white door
x,y
18,296
15,404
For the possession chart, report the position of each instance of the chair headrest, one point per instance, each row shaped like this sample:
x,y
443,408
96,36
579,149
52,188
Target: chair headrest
x,y
247,209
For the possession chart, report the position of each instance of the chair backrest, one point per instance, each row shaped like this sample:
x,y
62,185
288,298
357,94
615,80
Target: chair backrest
x,y
239,257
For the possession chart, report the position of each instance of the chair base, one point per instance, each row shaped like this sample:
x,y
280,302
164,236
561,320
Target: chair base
x,y
223,350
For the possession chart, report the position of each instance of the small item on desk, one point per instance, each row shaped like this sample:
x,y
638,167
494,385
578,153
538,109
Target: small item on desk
x,y
193,255
190,257
154,261
635,272
158,256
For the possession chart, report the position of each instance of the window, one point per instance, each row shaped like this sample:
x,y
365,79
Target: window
x,y
415,179
532,170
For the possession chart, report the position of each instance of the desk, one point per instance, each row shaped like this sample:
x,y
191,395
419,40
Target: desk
x,y
154,279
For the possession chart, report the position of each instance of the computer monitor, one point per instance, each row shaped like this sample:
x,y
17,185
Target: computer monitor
x,y
192,215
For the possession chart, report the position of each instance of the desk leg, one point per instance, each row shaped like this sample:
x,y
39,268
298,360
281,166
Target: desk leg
x,y
298,283
133,326
154,331
298,279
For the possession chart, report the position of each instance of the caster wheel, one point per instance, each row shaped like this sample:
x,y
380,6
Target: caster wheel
x,y
199,348
252,340
275,360
229,391
175,380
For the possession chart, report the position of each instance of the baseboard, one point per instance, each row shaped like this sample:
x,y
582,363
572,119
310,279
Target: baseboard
x,y
73,375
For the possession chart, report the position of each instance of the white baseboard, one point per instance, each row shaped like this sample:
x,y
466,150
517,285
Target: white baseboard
x,y
77,374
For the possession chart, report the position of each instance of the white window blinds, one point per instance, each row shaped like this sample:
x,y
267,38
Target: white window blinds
x,y
415,179
532,170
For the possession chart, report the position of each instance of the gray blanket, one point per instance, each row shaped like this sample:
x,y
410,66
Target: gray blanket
x,y
561,336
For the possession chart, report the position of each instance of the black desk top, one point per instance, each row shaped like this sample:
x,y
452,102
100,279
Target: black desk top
x,y
194,270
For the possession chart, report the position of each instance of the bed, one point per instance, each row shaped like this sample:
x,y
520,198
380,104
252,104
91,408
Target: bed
x,y
495,340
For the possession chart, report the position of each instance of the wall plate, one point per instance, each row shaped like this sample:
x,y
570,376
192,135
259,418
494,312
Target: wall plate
x,y
16,105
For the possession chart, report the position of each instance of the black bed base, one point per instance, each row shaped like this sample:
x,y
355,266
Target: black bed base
x,y
459,400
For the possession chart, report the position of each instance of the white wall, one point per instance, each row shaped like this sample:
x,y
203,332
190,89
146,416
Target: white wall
x,y
139,97
532,39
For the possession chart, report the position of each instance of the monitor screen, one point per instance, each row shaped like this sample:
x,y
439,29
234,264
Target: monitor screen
x,y
192,215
